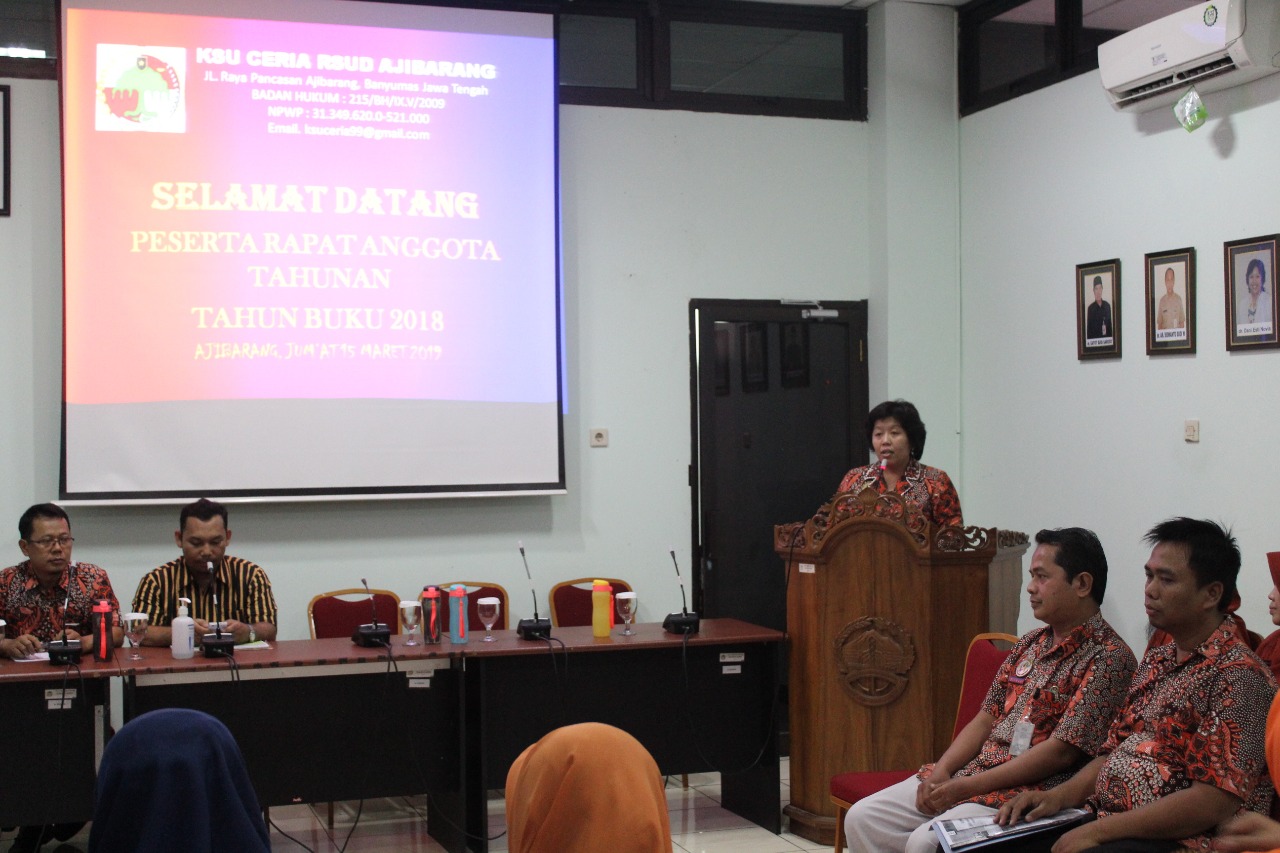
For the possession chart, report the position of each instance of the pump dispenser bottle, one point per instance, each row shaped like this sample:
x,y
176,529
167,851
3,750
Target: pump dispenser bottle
x,y
182,641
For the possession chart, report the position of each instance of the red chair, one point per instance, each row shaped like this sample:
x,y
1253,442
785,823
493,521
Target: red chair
x,y
332,616
981,664
571,600
476,590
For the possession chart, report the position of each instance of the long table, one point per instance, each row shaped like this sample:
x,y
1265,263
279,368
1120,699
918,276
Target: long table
x,y
702,703
321,720
55,723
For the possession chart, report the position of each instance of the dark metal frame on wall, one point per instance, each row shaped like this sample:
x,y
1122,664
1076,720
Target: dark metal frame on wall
x,y
654,87
1075,51
5,95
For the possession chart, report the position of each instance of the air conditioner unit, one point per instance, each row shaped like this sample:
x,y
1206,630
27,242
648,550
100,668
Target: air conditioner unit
x,y
1211,45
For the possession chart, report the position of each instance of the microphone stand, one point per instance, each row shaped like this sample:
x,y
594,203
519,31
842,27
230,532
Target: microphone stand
x,y
65,652
218,645
536,628
683,622
372,635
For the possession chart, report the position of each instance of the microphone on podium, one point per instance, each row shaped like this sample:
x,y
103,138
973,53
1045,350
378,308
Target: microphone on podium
x,y
372,635
217,644
683,622
64,652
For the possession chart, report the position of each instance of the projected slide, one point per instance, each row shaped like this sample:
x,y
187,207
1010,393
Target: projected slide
x,y
321,252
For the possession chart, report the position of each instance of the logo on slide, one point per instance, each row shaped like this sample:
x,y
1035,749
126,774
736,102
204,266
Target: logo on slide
x,y
140,88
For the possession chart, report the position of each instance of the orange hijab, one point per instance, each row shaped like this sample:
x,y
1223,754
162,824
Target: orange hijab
x,y
587,788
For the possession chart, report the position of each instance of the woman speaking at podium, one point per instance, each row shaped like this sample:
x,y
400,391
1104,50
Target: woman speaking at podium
x,y
896,436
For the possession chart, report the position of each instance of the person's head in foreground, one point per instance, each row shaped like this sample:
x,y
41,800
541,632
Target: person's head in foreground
x,y
175,779
586,788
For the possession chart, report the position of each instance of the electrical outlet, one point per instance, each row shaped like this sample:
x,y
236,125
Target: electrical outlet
x,y
598,437
1191,430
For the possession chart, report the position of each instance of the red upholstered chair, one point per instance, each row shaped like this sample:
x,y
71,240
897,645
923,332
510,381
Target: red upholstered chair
x,y
339,613
981,664
571,600
476,590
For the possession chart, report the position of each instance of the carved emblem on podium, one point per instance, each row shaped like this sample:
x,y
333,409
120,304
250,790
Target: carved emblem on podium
x,y
874,657
868,504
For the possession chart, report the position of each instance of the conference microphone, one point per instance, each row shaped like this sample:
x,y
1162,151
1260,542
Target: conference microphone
x,y
372,635
683,622
536,628
63,652
217,644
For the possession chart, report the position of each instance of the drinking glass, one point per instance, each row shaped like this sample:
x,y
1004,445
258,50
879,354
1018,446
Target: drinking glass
x,y
410,615
488,610
135,627
626,604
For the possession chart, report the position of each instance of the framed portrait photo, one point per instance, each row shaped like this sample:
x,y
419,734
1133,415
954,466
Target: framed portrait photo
x,y
1171,302
1098,309
1251,292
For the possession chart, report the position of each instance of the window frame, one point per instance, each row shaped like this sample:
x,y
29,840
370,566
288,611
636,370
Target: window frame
x,y
1069,17
851,24
653,19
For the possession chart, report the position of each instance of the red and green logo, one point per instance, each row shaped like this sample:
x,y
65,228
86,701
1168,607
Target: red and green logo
x,y
147,91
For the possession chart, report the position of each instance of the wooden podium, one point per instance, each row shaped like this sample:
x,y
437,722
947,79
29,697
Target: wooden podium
x,y
880,611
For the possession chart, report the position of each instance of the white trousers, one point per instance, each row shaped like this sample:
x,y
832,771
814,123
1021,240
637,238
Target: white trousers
x,y
889,822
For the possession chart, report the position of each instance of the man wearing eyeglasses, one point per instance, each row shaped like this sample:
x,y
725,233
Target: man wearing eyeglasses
x,y
32,593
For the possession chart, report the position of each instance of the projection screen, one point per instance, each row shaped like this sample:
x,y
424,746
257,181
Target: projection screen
x,y
311,249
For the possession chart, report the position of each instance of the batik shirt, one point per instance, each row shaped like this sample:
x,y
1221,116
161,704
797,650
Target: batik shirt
x,y
1071,691
28,609
930,489
1202,720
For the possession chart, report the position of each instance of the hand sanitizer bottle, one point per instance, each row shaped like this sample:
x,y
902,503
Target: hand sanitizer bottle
x,y
182,641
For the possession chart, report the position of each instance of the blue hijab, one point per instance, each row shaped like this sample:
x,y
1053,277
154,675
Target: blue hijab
x,y
173,780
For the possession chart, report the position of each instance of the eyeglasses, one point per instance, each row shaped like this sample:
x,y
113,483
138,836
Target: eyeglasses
x,y
49,541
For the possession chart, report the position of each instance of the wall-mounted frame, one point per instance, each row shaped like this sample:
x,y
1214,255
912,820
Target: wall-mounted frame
x,y
4,150
755,357
1251,292
1098,309
1171,302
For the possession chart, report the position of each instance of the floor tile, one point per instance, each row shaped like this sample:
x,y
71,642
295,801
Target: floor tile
x,y
753,840
398,824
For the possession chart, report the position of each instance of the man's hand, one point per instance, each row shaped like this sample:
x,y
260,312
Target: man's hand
x,y
20,647
1030,805
925,791
239,631
1248,831
944,795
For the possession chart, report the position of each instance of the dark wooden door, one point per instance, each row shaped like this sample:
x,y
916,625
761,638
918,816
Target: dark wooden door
x,y
780,394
